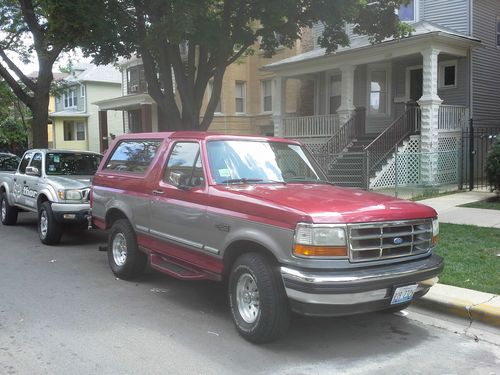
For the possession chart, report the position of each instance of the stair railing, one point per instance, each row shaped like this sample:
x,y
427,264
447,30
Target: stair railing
x,y
380,148
342,138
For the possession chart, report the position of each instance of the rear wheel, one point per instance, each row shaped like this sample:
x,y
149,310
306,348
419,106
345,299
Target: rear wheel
x,y
8,212
124,257
49,230
257,298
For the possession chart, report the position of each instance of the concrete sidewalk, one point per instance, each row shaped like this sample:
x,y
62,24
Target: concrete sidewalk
x,y
470,304
448,212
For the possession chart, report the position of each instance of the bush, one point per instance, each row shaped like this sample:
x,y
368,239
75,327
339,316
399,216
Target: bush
x,y
493,166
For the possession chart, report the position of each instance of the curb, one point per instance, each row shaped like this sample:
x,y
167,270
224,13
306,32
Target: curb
x,y
470,304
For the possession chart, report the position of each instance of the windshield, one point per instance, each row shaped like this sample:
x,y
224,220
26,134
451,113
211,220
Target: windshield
x,y
9,162
241,161
64,163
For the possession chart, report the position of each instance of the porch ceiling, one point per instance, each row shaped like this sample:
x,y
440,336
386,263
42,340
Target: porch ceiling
x,y
361,51
124,103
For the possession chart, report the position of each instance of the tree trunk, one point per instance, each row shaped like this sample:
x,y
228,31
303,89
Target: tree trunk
x,y
40,111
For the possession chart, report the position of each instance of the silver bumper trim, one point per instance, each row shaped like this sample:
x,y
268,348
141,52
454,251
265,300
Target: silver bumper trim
x,y
69,207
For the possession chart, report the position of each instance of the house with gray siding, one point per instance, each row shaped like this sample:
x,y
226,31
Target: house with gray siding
x,y
413,94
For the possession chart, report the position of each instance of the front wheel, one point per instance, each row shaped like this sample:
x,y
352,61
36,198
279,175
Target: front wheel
x,y
124,257
49,230
9,213
257,299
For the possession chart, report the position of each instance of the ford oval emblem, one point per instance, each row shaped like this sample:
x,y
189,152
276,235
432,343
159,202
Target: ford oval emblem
x,y
397,241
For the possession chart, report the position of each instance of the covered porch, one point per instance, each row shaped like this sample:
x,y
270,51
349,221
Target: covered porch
x,y
415,85
139,115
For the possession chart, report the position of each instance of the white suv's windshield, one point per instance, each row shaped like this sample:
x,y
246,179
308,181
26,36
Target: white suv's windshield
x,y
65,163
242,161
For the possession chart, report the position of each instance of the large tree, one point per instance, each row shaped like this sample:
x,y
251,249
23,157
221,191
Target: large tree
x,y
27,27
198,39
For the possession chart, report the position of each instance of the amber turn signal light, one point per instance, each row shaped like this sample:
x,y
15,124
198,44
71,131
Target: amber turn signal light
x,y
320,251
434,240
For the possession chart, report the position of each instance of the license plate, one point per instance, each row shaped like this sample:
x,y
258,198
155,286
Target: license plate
x,y
403,294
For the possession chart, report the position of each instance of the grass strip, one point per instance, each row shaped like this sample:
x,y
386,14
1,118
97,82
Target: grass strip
x,y
472,257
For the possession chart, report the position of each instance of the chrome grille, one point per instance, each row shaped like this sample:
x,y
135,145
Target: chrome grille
x,y
377,241
85,194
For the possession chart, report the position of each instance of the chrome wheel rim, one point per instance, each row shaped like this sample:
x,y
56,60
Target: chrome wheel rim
x,y
119,249
4,209
44,224
247,298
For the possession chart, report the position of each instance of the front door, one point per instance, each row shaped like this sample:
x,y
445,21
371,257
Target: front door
x,y
416,76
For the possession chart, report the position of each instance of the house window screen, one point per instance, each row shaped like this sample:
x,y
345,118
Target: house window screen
x,y
335,93
267,95
239,95
378,92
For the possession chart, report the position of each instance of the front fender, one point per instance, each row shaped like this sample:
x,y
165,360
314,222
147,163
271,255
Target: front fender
x,y
279,241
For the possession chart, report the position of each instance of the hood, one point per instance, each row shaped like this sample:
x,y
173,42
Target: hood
x,y
71,182
324,203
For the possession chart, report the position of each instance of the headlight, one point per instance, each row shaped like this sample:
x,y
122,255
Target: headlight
x,y
320,241
435,230
71,195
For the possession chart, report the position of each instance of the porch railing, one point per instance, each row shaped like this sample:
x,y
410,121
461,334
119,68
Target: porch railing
x,y
453,117
342,138
384,144
310,126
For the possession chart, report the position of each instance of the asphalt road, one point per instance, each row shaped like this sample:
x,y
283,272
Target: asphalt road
x,y
63,312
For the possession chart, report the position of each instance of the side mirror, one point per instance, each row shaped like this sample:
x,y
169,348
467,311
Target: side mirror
x,y
33,171
179,180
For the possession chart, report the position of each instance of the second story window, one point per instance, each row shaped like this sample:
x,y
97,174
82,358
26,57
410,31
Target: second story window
x,y
408,12
267,95
240,96
69,98
136,80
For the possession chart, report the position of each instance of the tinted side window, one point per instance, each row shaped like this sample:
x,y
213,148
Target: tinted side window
x,y
24,163
37,161
133,155
184,165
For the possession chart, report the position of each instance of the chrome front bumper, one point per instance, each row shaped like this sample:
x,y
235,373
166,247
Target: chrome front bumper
x,y
343,292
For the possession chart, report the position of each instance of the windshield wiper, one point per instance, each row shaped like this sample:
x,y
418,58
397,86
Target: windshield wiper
x,y
242,180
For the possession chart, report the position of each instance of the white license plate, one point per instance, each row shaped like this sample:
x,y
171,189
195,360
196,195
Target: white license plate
x,y
403,294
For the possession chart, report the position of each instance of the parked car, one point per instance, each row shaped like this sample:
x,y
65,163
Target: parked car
x,y
259,213
8,161
53,183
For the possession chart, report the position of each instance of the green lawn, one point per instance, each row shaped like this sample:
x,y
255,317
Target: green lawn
x,y
471,259
489,204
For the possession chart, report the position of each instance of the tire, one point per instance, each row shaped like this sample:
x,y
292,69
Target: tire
x,y
257,299
124,257
8,212
49,230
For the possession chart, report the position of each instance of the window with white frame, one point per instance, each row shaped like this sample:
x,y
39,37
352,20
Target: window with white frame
x,y
267,95
82,91
218,107
408,13
70,99
498,31
448,74
74,131
240,96
378,92
335,92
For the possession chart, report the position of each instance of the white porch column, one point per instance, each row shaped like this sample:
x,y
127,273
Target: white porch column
x,y
347,93
429,106
279,105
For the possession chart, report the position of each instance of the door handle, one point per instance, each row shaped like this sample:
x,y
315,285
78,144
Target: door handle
x,y
158,192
